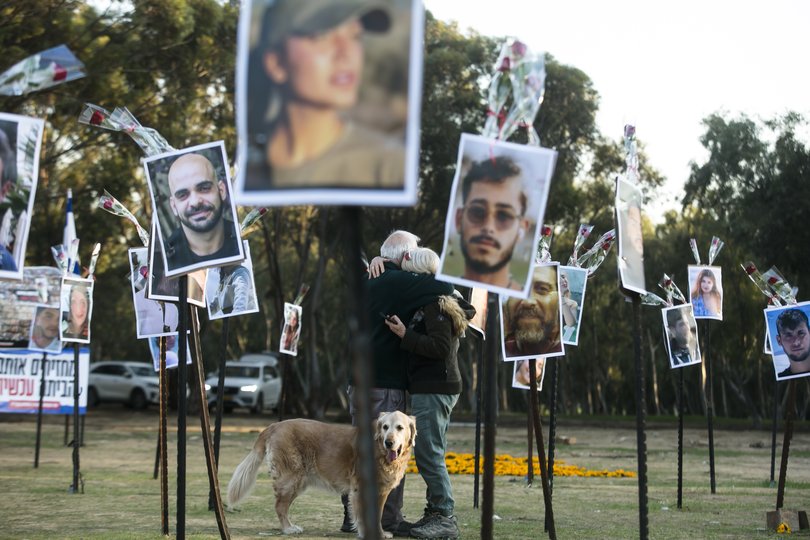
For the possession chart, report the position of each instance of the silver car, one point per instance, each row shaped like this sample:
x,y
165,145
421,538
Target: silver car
x,y
253,382
133,383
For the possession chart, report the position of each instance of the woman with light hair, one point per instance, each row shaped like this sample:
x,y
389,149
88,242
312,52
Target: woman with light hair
x,y
706,300
434,382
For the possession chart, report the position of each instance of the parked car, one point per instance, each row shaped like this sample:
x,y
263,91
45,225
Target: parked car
x,y
252,382
133,383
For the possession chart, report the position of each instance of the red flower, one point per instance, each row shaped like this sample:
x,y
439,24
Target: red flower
x,y
108,204
772,280
519,48
750,269
546,230
262,211
506,65
96,119
59,73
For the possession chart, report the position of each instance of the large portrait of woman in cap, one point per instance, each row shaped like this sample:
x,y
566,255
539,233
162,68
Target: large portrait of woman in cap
x,y
328,102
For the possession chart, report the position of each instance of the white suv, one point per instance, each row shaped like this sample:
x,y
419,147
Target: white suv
x,y
133,383
252,382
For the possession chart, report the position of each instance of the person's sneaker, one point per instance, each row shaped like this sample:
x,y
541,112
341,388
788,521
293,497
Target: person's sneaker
x,y
436,526
401,529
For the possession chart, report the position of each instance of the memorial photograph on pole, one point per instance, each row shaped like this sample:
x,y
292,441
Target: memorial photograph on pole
x,y
680,329
230,290
193,208
789,337
530,327
328,99
20,142
76,310
493,220
521,373
573,281
631,241
706,291
152,317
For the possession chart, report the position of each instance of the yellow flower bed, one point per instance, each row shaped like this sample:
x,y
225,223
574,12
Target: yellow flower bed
x,y
506,465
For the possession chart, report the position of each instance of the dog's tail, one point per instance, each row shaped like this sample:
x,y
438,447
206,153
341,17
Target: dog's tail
x,y
244,477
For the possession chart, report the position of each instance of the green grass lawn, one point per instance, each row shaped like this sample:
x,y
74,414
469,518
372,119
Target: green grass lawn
x,y
121,500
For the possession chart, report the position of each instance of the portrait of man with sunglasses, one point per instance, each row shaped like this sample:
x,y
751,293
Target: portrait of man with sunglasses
x,y
496,207
491,220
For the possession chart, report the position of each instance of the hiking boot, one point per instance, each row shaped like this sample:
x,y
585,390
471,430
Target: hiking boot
x,y
436,526
401,529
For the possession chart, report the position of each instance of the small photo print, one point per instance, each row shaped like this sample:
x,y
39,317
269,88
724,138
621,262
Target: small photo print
x,y
44,336
193,208
706,291
172,352
680,329
789,337
230,290
20,143
164,288
521,375
292,329
76,310
573,281
152,317
530,327
631,241
495,213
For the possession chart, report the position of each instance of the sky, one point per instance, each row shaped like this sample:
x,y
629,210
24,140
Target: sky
x,y
663,66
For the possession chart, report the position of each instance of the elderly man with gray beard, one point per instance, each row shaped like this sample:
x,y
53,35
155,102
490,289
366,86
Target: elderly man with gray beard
x,y
532,325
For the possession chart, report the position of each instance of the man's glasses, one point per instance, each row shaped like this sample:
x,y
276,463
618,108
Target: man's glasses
x,y
478,214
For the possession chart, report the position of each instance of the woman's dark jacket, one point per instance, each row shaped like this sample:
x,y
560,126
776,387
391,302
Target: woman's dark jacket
x,y
432,339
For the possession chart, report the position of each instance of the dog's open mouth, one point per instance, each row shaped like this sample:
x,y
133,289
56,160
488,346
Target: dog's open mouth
x,y
392,454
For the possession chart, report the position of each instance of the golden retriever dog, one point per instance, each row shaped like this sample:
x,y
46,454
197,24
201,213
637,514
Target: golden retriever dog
x,y
302,453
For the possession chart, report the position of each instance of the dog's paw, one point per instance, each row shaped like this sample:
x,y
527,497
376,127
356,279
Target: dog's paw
x,y
293,529
387,534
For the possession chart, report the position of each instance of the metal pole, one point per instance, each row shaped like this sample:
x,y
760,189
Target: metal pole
x,y
490,395
182,384
362,374
541,451
680,438
641,413
530,452
205,425
478,404
552,420
710,406
76,476
223,351
790,413
42,366
163,436
773,428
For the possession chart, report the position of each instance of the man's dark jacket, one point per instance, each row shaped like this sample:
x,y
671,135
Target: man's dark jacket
x,y
399,293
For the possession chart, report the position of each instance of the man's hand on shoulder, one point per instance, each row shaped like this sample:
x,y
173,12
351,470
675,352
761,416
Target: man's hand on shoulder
x,y
376,267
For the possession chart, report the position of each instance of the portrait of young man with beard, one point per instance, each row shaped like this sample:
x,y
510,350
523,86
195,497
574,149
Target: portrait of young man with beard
x,y
195,213
531,326
790,340
498,200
